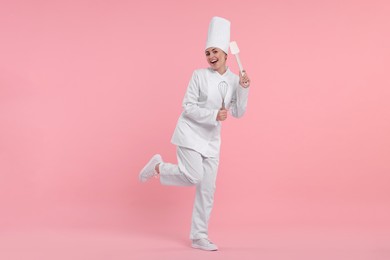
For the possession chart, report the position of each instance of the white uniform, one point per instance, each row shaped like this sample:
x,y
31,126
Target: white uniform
x,y
197,136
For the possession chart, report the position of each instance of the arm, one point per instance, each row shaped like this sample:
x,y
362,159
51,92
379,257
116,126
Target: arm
x,y
191,104
240,97
239,102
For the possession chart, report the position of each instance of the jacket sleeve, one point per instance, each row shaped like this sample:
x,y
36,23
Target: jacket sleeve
x,y
191,102
239,101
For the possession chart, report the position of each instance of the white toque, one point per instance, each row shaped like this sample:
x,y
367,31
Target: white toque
x,y
219,34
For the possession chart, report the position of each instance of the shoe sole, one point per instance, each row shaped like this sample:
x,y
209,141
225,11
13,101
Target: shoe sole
x,y
155,157
203,248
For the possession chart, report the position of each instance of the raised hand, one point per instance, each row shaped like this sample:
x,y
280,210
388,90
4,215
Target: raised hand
x,y
244,79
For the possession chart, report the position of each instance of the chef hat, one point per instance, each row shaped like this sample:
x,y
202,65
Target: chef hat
x,y
219,34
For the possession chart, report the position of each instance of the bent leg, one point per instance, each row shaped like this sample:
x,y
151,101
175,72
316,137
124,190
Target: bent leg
x,y
188,171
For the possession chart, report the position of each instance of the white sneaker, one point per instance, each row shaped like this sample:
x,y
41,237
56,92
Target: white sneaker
x,y
204,244
149,171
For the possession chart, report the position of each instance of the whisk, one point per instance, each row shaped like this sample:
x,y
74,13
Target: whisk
x,y
223,88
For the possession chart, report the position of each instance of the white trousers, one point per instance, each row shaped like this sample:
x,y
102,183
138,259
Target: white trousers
x,y
194,169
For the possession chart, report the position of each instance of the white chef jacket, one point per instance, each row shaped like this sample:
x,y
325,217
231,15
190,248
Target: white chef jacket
x,y
197,127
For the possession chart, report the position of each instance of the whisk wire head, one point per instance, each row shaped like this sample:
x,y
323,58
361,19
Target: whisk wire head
x,y
223,88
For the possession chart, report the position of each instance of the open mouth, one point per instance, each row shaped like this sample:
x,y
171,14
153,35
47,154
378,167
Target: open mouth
x,y
214,61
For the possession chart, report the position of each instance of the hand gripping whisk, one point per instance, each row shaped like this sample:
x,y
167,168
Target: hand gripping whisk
x,y
223,88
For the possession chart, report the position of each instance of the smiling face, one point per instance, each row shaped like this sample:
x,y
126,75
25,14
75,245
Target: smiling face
x,y
217,59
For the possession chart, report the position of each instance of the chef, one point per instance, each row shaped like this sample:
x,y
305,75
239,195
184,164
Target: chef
x,y
212,94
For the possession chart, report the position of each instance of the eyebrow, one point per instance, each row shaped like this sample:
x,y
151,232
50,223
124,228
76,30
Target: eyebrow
x,y
211,50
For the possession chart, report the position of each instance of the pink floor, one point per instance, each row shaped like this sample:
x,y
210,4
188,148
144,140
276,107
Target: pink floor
x,y
272,244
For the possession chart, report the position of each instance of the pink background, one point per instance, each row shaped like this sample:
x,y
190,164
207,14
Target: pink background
x,y
89,90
